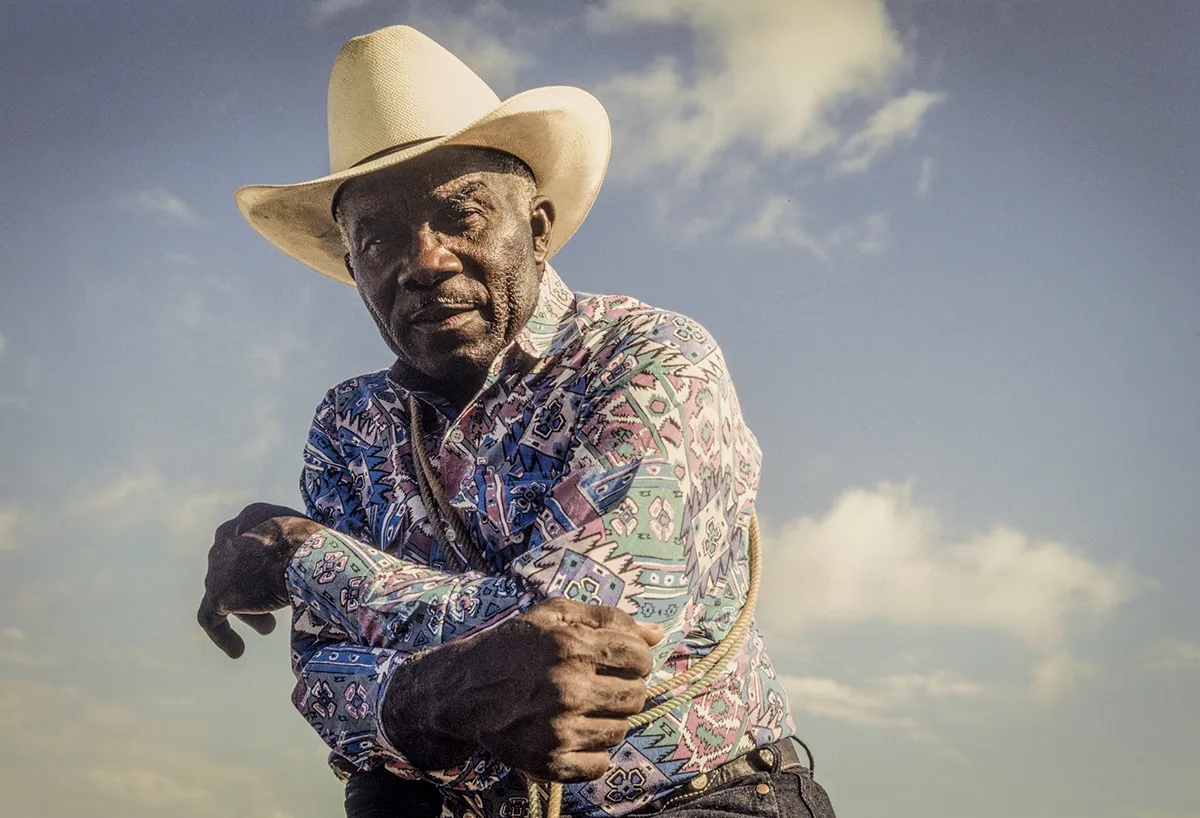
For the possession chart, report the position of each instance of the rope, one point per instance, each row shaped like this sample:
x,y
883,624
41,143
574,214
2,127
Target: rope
x,y
693,680
457,538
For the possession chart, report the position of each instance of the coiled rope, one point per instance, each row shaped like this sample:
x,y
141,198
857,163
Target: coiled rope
x,y
450,529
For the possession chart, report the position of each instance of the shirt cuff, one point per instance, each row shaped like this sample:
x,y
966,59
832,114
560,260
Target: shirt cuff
x,y
327,574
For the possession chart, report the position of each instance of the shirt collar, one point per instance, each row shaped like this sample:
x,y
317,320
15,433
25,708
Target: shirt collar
x,y
546,330
549,322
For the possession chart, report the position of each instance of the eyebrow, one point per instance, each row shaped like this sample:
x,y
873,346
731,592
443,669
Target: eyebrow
x,y
467,191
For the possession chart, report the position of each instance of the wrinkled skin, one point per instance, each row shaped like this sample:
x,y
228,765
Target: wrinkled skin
x,y
246,566
547,693
448,252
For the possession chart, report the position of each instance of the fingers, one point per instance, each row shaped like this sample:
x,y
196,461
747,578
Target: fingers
x,y
570,612
225,531
263,623
595,616
608,697
216,625
621,654
256,514
568,768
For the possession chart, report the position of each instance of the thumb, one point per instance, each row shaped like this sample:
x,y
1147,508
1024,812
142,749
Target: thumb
x,y
651,632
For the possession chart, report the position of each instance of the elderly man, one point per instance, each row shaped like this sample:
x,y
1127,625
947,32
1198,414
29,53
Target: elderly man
x,y
540,509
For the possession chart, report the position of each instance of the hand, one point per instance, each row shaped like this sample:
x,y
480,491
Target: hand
x,y
547,693
246,566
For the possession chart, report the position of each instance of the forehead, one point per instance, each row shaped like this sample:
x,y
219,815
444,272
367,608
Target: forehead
x,y
441,174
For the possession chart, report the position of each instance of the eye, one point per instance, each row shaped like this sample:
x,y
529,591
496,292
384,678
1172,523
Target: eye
x,y
373,244
465,215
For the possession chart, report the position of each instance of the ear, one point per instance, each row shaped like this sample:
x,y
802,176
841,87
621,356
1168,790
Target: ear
x,y
349,269
541,225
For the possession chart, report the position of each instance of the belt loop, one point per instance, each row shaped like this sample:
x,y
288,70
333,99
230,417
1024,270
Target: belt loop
x,y
768,758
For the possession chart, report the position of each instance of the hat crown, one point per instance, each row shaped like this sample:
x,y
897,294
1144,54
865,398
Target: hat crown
x,y
396,86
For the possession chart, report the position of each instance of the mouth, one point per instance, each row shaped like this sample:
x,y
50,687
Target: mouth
x,y
441,315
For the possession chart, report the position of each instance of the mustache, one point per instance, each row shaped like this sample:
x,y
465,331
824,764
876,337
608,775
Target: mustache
x,y
453,298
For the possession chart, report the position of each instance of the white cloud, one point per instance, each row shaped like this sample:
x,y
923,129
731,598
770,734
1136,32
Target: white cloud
x,y
782,220
885,701
188,510
925,176
876,235
772,78
876,556
1059,674
324,10
471,38
161,206
130,491
10,519
900,118
1173,654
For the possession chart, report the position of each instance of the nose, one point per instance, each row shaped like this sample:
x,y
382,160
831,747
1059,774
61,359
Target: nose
x,y
432,261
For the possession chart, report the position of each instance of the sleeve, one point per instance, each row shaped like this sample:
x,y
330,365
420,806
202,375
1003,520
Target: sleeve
x,y
650,515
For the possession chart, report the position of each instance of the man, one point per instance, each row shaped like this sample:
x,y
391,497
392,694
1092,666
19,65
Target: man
x,y
544,503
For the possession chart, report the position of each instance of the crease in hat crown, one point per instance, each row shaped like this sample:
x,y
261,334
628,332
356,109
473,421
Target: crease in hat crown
x,y
373,72
395,94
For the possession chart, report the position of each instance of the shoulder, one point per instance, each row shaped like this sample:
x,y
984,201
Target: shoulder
x,y
626,336
352,396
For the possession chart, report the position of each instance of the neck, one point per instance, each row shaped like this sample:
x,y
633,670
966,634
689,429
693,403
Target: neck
x,y
457,391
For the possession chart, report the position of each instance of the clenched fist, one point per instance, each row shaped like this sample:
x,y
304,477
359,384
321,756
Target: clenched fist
x,y
547,693
246,566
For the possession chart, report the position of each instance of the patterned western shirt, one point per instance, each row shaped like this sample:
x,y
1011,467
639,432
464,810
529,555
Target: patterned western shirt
x,y
605,460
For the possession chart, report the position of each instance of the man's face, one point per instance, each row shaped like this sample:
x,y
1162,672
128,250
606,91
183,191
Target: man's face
x,y
447,252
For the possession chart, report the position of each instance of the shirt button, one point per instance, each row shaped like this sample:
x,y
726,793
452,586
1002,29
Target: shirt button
x,y
456,435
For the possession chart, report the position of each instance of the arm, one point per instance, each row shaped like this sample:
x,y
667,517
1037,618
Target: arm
x,y
650,518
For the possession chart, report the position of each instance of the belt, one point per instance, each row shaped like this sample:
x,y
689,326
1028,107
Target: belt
x,y
778,756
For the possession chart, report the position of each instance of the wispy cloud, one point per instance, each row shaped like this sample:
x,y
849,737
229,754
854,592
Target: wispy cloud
x,y
110,760
1057,675
161,206
15,650
781,220
883,702
877,556
876,235
1173,655
187,510
471,37
925,176
773,79
325,10
900,118
10,519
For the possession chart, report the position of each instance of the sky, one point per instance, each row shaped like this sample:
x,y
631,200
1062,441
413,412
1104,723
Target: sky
x,y
950,250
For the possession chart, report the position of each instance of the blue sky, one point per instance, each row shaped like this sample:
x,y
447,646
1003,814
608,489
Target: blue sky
x,y
950,250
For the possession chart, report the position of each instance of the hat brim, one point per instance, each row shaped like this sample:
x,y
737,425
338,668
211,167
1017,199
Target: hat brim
x,y
561,132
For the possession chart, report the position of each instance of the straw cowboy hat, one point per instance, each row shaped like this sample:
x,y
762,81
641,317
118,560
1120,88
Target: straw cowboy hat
x,y
395,94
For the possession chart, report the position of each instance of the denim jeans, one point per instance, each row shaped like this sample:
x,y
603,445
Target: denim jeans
x,y
788,793
785,794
